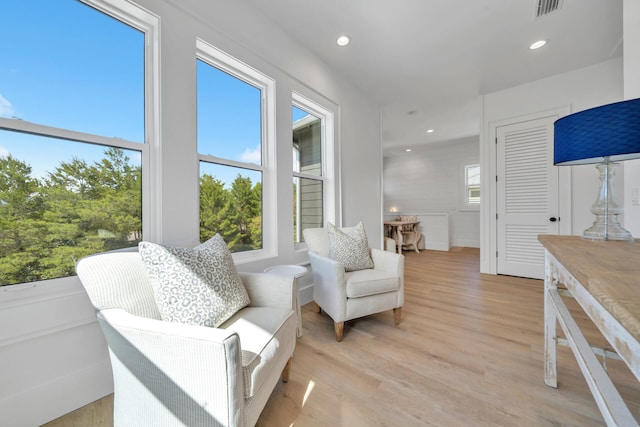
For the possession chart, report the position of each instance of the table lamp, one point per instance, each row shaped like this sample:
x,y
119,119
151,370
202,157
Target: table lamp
x,y
602,135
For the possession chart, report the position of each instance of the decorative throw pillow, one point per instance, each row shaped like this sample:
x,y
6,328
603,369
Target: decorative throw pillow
x,y
198,286
350,248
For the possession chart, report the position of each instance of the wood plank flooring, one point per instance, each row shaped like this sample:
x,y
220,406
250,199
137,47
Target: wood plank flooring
x,y
468,353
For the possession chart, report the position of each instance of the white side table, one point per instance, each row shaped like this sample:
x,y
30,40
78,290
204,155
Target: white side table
x,y
294,271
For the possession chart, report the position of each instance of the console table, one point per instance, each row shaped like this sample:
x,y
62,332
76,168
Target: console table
x,y
604,278
394,230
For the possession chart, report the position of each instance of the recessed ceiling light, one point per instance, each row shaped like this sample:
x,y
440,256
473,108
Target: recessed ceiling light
x,y
343,40
408,150
430,131
538,44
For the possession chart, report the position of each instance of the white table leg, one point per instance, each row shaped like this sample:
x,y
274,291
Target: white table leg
x,y
550,323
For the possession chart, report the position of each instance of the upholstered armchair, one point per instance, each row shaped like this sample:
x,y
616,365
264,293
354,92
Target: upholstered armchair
x,y
175,374
346,295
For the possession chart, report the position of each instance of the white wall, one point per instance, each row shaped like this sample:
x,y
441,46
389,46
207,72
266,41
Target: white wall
x,y
431,180
53,354
631,35
578,90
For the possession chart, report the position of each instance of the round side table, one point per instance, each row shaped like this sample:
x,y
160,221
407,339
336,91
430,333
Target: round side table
x,y
294,271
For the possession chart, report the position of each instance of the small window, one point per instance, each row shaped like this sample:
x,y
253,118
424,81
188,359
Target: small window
x,y
472,185
308,180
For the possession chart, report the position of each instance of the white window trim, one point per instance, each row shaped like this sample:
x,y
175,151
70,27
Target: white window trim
x,y
327,154
464,200
230,65
148,23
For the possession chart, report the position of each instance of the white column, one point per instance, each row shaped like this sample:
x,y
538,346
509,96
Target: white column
x,y
631,36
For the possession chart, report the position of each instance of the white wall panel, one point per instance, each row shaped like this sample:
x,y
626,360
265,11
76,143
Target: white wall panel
x,y
580,89
631,172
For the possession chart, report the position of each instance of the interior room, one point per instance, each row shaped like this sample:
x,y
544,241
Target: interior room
x,y
385,119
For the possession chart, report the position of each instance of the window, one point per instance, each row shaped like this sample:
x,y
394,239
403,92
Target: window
x,y
68,187
234,115
309,176
472,185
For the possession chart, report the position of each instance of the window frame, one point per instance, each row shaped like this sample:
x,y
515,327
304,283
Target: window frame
x,y
217,58
466,205
327,126
147,23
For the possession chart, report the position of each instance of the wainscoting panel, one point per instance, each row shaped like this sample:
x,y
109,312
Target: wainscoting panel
x,y
54,355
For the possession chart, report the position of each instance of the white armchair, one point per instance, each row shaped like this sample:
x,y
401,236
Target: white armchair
x,y
172,374
349,295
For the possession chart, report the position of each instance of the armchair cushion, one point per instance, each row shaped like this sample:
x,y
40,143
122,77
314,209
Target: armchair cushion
x,y
364,283
198,286
350,248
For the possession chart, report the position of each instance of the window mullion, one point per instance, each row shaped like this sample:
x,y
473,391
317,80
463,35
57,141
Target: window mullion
x,y
228,162
308,176
71,135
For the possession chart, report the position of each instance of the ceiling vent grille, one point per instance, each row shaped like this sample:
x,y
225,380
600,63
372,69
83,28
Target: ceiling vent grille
x,y
545,7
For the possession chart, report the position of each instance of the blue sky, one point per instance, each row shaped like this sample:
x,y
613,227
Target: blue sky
x,y
65,65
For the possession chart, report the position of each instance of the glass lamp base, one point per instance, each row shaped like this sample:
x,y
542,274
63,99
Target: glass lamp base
x,y
613,232
606,209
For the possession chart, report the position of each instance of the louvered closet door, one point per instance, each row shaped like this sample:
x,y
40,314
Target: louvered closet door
x,y
527,195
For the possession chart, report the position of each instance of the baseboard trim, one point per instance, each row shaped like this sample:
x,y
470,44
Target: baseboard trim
x,y
467,243
306,294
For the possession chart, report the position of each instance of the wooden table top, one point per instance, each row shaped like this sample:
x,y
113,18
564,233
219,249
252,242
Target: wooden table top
x,y
398,223
609,270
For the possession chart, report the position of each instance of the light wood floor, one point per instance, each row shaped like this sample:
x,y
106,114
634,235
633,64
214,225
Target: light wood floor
x,y
467,353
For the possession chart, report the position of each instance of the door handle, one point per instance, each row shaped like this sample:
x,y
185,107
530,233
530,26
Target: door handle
x,y
554,219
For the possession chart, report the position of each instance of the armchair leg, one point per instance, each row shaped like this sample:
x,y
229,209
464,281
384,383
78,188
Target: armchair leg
x,y
397,315
339,327
286,370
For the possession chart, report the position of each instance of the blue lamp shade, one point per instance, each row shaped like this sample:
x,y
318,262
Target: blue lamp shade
x,y
586,137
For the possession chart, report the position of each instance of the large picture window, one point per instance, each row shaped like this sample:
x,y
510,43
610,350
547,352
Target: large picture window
x,y
234,145
72,134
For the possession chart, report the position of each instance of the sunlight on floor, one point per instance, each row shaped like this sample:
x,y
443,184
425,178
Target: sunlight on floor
x,y
307,393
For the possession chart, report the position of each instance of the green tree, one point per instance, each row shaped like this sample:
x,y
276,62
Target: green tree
x,y
213,199
79,209
235,213
20,221
91,208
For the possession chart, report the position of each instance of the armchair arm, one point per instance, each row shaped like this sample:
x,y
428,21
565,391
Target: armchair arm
x,y
329,287
393,263
181,374
270,290
387,261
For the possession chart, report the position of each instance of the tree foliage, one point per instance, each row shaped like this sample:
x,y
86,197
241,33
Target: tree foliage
x,y
235,213
82,208
46,225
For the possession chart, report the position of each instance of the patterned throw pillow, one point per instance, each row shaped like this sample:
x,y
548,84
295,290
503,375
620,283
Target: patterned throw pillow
x,y
350,248
198,286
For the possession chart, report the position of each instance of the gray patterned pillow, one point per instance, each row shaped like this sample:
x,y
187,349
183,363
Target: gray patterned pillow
x,y
198,286
350,248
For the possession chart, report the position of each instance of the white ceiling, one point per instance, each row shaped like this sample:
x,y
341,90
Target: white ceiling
x,y
426,61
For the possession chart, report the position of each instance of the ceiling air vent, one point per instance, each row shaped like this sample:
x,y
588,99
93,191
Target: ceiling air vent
x,y
545,7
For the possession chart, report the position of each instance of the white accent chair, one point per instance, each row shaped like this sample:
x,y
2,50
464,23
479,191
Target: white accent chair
x,y
172,374
349,295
